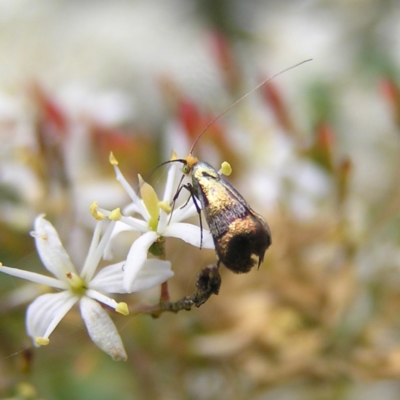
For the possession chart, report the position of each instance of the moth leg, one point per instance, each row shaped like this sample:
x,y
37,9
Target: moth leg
x,y
187,201
178,192
208,283
192,196
198,209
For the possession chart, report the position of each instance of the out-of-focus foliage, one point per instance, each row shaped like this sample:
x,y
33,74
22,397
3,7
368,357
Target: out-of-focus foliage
x,y
315,151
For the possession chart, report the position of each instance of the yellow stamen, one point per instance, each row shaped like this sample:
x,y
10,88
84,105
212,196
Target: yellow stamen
x,y
122,308
150,200
96,214
226,168
41,341
112,159
165,207
115,215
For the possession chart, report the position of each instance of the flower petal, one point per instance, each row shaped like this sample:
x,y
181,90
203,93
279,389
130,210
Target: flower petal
x,y
131,193
109,279
153,273
118,228
51,250
44,314
190,234
135,223
162,222
84,273
136,257
34,277
96,252
126,224
101,329
171,183
130,209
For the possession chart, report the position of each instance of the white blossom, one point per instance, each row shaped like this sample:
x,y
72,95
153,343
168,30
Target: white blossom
x,y
83,287
155,220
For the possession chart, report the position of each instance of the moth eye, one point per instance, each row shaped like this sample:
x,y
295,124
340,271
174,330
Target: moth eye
x,y
185,169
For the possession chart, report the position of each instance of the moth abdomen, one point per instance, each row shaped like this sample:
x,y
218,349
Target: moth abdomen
x,y
246,239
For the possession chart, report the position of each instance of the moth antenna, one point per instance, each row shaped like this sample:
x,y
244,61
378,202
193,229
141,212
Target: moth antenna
x,y
242,98
160,165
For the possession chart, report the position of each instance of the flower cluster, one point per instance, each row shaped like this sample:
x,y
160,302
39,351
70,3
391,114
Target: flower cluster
x,y
152,218
156,223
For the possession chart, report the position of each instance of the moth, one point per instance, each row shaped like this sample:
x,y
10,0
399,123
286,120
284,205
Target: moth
x,y
241,235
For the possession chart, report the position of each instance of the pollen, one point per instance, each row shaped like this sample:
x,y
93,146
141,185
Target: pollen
x,y
112,159
115,215
96,214
226,168
41,341
165,207
122,308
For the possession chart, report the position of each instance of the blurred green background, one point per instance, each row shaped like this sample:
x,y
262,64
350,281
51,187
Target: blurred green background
x,y
315,151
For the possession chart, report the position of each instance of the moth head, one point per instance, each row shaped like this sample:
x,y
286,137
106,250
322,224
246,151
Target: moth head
x,y
188,163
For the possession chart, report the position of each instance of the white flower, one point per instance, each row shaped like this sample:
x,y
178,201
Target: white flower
x,y
157,221
44,314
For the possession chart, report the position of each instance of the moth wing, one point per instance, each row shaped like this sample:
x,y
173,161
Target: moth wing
x,y
237,196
